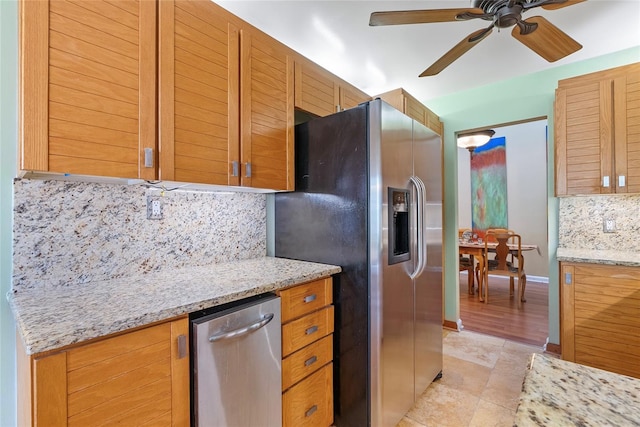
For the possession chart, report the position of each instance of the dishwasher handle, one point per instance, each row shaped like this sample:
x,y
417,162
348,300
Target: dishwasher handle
x,y
245,330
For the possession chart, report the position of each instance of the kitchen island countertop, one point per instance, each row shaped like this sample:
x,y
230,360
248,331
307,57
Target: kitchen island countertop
x,y
592,256
52,317
560,393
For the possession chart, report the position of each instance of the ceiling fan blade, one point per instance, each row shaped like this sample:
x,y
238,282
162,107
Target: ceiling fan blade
x,y
554,6
457,51
546,40
420,16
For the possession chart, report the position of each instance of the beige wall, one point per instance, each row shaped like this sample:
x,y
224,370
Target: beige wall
x,y
526,147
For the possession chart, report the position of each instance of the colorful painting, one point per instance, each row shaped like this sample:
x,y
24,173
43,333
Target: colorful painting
x,y
489,186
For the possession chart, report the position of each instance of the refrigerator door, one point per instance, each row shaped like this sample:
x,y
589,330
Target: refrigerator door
x,y
427,158
396,348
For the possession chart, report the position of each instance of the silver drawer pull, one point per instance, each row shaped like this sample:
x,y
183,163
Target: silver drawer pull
x,y
310,361
182,346
237,333
311,330
311,410
310,298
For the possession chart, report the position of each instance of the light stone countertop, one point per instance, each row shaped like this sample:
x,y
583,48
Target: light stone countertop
x,y
592,256
560,393
52,317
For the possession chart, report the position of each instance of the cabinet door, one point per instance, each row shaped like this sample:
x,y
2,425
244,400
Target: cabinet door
x,y
627,131
266,99
583,139
350,97
88,95
136,378
599,316
415,110
316,91
199,93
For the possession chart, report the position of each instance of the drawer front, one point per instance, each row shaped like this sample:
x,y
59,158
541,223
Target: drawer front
x,y
306,361
305,298
305,330
310,402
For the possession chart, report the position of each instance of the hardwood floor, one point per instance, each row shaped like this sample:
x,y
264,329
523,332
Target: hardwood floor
x,y
501,316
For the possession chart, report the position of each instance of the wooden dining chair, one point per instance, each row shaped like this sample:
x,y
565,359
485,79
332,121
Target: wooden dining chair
x,y
466,263
508,261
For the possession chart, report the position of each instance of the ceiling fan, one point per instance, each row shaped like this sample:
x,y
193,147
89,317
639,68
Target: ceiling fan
x,y
537,33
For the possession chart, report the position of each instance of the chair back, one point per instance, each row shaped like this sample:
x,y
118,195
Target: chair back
x,y
509,243
490,234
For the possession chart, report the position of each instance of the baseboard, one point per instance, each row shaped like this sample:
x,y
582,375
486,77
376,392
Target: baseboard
x,y
530,278
450,325
553,348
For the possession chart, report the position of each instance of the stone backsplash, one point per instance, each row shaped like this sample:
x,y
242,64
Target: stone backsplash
x,y
581,222
77,232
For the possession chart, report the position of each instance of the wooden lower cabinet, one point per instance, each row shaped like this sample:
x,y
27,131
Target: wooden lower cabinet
x,y
600,313
135,378
307,350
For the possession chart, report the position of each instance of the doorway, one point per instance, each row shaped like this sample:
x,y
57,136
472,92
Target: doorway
x,y
526,170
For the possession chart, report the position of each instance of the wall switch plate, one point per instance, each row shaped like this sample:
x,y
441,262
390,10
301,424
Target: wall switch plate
x,y
609,225
154,207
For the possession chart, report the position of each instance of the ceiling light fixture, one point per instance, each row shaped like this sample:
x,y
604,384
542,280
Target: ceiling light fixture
x,y
473,140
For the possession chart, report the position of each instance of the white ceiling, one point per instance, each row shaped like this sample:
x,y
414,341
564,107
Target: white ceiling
x,y
337,35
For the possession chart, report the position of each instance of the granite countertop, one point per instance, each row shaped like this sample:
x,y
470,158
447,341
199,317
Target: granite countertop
x,y
51,317
560,393
598,256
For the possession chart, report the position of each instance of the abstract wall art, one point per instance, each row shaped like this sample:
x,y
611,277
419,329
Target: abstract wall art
x,y
489,186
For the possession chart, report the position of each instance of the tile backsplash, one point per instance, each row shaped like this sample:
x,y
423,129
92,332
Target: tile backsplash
x,y
581,222
78,232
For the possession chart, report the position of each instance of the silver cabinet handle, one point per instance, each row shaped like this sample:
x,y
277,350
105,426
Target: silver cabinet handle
x,y
237,333
311,410
182,346
622,181
310,361
311,330
605,181
235,168
247,170
310,298
148,157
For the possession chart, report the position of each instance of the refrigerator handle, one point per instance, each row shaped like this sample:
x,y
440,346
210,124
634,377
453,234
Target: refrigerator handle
x,y
420,196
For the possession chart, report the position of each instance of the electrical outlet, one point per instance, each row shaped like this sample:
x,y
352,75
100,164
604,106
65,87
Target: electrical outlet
x,y
609,225
154,207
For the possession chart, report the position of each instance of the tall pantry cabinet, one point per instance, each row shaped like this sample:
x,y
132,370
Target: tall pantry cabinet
x,y
597,132
171,90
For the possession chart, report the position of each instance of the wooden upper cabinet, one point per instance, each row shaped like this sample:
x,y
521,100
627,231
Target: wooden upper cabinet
x,y
267,112
351,96
199,93
402,101
597,133
88,87
321,93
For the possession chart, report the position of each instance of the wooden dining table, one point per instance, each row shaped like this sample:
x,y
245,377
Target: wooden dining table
x,y
475,249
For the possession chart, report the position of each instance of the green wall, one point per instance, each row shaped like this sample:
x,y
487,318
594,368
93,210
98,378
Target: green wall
x,y
505,102
8,148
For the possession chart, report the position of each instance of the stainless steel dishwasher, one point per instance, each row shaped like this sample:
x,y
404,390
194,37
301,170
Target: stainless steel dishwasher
x,y
236,365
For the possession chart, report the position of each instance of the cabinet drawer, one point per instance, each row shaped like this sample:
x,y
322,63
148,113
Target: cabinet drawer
x,y
310,402
300,332
305,298
306,361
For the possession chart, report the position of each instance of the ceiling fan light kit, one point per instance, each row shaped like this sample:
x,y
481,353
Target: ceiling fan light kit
x,y
473,140
537,33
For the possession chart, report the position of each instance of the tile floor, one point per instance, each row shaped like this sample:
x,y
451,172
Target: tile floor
x,y
480,385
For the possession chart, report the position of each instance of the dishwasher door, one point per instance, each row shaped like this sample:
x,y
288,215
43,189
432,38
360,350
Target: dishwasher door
x,y
237,366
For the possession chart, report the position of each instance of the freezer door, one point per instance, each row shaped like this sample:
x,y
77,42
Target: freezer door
x,y
427,157
396,297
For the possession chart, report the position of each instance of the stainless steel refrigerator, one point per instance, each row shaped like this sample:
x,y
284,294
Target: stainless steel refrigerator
x,y
369,198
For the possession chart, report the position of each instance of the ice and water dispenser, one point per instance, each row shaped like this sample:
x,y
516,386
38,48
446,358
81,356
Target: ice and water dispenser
x,y
399,204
